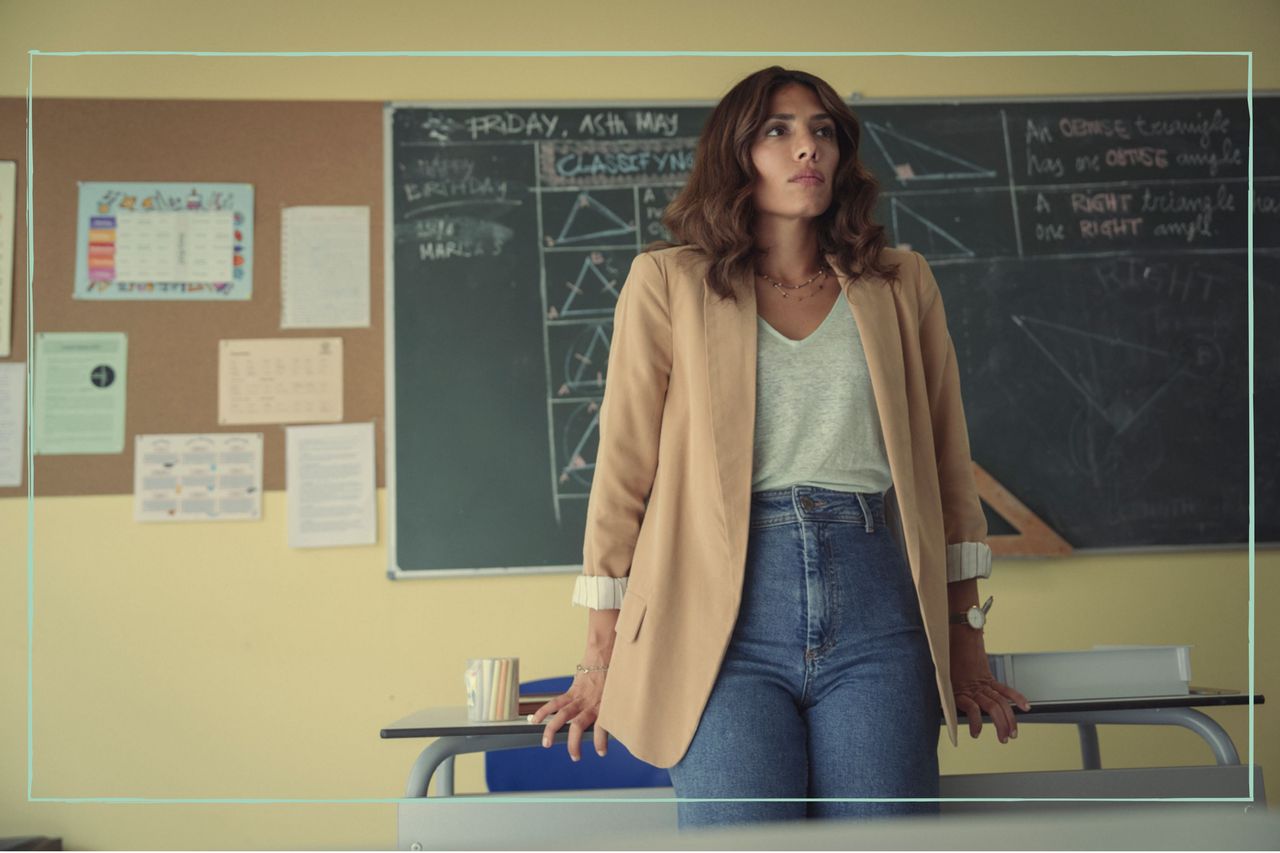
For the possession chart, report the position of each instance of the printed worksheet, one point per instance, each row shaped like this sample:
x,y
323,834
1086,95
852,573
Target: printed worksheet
x,y
330,486
79,393
13,422
324,267
279,380
198,477
8,208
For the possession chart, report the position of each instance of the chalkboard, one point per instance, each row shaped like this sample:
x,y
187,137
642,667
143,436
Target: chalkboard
x,y
1091,255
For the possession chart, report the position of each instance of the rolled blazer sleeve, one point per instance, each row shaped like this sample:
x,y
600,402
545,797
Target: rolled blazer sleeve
x,y
635,391
968,555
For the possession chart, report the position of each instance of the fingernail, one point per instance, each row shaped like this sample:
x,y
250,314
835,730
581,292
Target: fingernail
x,y
546,742
1013,733
600,753
575,757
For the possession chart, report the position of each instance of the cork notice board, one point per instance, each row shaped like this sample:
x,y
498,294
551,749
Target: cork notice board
x,y
293,153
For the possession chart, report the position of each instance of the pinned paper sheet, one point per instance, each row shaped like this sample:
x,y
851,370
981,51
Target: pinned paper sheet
x,y
8,206
13,407
198,477
330,485
280,380
324,267
79,393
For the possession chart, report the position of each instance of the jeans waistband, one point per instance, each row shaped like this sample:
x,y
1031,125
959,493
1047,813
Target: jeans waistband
x,y
816,503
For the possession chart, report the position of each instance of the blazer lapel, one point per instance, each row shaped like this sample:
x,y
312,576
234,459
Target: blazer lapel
x,y
730,336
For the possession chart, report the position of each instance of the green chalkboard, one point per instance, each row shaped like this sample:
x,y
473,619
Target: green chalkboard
x,y
1091,254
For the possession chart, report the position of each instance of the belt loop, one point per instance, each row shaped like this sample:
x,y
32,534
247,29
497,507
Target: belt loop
x,y
866,513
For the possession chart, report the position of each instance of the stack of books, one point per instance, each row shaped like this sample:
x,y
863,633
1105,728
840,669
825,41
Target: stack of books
x,y
530,702
1103,672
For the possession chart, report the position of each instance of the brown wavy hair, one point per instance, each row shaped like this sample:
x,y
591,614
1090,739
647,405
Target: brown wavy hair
x,y
714,213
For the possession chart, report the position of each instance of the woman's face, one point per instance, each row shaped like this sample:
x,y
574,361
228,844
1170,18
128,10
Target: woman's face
x,y
798,139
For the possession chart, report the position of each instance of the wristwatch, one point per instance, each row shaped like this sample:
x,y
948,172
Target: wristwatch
x,y
975,616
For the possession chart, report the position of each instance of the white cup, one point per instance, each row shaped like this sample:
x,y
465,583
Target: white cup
x,y
493,689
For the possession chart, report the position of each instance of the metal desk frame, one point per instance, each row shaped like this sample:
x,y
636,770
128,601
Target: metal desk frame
x,y
455,736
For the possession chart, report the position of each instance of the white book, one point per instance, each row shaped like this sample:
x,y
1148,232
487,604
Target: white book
x,y
1103,672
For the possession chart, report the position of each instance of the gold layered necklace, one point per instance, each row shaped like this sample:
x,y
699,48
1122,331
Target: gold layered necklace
x,y
783,288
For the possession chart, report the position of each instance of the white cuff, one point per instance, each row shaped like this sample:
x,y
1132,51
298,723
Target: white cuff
x,y
968,560
599,592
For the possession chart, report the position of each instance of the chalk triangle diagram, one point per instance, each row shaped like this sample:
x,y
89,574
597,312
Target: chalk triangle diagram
x,y
577,464
1108,373
589,270
905,221
584,365
914,160
1033,539
589,219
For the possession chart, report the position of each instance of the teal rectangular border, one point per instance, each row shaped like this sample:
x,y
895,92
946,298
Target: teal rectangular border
x,y
30,219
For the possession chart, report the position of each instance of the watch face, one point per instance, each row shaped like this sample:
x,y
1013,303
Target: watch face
x,y
976,617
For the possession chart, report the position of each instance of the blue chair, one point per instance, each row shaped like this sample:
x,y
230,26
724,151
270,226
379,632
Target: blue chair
x,y
535,768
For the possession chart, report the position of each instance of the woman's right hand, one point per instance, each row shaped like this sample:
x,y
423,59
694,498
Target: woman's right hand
x,y
579,706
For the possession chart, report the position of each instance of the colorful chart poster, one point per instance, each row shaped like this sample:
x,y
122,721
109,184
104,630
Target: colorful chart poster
x,y
167,241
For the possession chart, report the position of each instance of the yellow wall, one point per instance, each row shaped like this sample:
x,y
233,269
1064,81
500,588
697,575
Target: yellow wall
x,y
213,661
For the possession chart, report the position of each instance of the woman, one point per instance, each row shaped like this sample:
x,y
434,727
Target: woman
x,y
783,533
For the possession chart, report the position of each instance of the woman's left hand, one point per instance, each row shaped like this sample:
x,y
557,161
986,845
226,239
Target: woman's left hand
x,y
977,691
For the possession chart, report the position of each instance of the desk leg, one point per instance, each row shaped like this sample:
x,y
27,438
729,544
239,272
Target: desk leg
x,y
1090,756
1224,751
444,779
440,752
440,756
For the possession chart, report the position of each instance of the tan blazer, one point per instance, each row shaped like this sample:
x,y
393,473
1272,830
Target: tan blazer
x,y
677,426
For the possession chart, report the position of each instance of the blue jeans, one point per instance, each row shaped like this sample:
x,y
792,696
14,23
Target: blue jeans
x,y
827,688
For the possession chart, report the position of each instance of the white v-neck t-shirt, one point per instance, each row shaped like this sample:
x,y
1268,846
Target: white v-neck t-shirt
x,y
816,421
